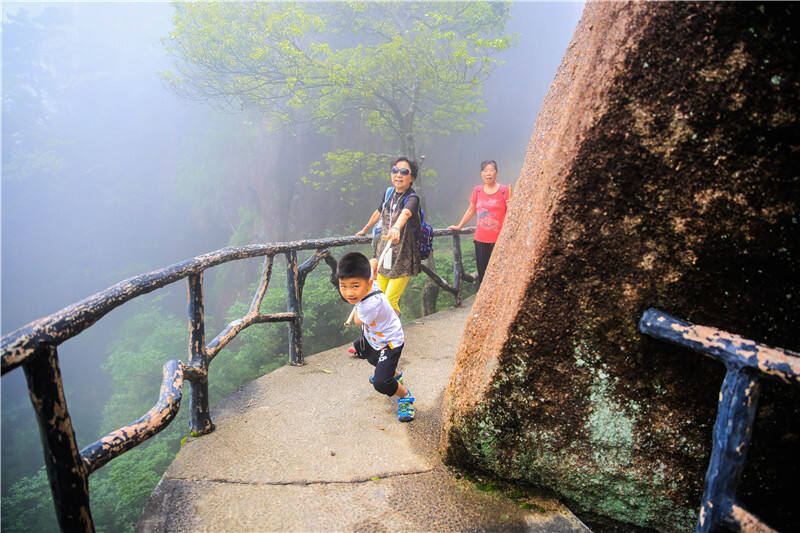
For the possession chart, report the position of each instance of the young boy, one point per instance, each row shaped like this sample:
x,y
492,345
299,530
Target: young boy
x,y
382,338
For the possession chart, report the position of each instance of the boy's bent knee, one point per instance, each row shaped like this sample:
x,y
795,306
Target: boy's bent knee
x,y
387,388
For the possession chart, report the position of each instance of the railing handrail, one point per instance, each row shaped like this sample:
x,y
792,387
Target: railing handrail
x,y
34,347
73,319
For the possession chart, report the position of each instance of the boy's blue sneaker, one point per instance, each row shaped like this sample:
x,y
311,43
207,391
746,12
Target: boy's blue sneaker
x,y
405,408
398,378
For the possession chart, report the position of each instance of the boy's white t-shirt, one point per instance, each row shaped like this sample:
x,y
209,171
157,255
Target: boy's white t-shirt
x,y
382,326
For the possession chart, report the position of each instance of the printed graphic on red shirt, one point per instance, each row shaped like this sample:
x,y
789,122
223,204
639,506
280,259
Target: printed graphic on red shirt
x,y
487,221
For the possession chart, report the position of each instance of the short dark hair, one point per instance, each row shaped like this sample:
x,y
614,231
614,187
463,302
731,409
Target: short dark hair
x,y
411,164
484,164
353,265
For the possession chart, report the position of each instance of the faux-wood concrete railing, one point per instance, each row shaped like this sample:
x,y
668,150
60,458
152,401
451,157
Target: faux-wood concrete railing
x,y
34,347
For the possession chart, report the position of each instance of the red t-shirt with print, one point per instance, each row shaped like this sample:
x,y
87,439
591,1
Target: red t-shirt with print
x,y
491,210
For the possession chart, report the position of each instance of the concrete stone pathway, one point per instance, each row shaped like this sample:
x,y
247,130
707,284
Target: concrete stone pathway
x,y
315,448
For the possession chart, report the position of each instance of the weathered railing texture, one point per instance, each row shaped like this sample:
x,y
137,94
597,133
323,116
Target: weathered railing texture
x,y
746,361
34,347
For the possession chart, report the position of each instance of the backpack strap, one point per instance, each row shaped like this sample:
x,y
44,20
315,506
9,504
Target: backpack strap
x,y
389,191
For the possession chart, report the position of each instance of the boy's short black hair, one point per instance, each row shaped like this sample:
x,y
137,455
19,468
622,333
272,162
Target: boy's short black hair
x,y
353,265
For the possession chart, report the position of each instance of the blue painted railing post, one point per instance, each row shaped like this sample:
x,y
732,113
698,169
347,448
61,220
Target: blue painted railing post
x,y
746,361
738,404
294,306
200,418
69,479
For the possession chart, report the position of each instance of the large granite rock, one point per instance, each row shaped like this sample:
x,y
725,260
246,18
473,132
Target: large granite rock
x,y
663,171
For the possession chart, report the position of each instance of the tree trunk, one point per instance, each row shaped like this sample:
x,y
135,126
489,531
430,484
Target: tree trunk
x,y
430,291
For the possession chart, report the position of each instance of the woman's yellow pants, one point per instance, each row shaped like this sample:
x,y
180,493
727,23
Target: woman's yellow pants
x,y
393,289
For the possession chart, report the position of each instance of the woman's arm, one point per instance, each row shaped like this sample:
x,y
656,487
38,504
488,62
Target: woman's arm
x,y
509,193
394,232
372,220
467,215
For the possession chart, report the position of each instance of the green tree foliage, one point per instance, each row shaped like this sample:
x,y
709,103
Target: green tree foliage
x,y
119,491
29,506
147,341
397,71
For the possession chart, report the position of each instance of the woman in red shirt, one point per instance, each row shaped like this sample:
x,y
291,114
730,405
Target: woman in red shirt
x,y
489,201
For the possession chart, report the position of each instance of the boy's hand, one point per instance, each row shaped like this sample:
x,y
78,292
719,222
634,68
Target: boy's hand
x,y
353,318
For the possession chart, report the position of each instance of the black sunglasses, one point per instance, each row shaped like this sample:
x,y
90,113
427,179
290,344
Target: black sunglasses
x,y
402,171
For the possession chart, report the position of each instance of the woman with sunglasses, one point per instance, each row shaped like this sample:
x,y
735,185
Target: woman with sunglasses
x,y
490,201
400,228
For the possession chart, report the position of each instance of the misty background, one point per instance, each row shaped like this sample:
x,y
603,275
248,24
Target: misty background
x,y
106,173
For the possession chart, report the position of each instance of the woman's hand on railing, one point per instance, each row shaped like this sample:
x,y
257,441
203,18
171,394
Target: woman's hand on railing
x,y
454,227
362,232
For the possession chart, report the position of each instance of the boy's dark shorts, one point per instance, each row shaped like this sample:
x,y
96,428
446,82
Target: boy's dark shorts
x,y
385,363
